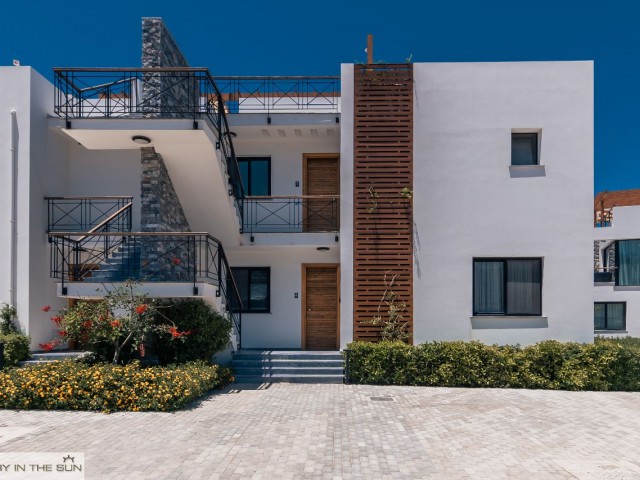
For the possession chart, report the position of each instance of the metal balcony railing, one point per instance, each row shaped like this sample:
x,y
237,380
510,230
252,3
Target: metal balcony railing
x,y
604,275
172,92
280,94
81,214
291,214
113,257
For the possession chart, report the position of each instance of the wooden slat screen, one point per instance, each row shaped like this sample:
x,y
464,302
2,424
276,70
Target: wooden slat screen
x,y
383,166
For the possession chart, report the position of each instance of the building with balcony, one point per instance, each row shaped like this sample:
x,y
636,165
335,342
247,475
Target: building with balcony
x,y
297,204
617,263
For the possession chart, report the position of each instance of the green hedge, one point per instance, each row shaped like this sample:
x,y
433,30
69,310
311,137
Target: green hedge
x,y
69,385
603,365
16,347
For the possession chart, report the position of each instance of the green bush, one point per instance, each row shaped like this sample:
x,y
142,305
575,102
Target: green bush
x,y
69,385
603,365
208,331
16,347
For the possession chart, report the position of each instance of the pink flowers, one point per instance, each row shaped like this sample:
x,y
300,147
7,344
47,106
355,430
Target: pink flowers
x,y
46,308
176,261
57,319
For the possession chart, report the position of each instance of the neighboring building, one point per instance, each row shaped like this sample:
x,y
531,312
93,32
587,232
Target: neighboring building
x,y
463,188
617,263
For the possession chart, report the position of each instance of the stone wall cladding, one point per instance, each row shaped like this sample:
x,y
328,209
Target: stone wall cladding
x,y
165,95
162,258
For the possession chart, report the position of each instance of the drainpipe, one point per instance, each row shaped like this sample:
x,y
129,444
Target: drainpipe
x,y
14,211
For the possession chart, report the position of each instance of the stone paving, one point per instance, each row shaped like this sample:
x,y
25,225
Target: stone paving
x,y
297,431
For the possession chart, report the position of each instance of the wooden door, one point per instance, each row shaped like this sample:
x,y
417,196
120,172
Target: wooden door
x,y
321,176
320,307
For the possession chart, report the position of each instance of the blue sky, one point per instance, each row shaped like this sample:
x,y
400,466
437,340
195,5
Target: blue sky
x,y
312,38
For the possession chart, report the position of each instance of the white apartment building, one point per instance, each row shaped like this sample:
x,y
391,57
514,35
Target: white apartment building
x,y
464,188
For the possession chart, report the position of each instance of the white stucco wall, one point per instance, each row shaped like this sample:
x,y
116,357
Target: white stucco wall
x,y
105,173
282,327
42,168
467,204
625,225
346,207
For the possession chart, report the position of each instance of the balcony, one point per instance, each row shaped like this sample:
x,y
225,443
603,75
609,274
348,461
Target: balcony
x,y
604,275
291,214
84,214
147,93
315,94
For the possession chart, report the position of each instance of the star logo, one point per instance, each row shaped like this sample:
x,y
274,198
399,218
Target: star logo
x,y
68,457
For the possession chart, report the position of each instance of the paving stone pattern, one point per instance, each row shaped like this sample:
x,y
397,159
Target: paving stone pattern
x,y
297,431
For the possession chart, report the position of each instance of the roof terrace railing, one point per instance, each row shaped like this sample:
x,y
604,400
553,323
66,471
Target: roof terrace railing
x,y
319,94
173,92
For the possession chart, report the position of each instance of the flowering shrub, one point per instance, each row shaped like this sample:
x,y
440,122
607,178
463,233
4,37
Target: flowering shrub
x,y
121,321
16,347
73,385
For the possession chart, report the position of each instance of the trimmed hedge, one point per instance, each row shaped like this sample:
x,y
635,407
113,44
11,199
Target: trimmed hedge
x,y
603,365
16,347
69,385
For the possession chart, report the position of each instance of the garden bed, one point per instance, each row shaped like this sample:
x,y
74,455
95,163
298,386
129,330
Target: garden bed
x,y
72,385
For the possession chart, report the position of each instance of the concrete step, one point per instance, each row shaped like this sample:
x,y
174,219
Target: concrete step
x,y
283,362
281,378
295,366
286,355
38,358
287,370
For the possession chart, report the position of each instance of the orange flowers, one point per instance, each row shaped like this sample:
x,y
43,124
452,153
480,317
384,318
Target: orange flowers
x,y
173,331
57,319
140,309
115,323
47,347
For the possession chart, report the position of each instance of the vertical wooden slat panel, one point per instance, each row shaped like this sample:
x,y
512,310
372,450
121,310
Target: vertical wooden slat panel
x,y
383,164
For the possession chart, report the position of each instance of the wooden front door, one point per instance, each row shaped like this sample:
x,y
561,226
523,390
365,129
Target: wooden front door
x,y
320,307
321,177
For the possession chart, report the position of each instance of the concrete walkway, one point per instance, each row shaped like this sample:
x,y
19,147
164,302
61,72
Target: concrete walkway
x,y
297,431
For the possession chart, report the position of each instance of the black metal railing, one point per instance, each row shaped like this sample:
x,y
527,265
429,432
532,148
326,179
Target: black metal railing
x,y
147,93
81,214
291,214
113,257
604,274
280,94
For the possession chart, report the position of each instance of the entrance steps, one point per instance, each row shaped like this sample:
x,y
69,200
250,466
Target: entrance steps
x,y
293,366
53,356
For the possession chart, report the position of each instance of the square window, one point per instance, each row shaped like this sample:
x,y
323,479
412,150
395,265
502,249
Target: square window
x,y
255,173
524,149
610,316
507,286
254,288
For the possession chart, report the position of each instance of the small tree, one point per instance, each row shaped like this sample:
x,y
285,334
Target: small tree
x,y
122,319
393,326
7,312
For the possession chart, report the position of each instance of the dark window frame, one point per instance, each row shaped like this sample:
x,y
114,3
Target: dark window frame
x,y
505,277
248,160
246,306
535,137
606,315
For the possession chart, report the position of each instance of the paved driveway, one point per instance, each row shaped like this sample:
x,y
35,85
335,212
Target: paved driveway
x,y
335,431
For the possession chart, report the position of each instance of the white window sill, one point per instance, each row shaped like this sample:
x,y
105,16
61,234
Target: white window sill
x,y
483,322
610,332
527,171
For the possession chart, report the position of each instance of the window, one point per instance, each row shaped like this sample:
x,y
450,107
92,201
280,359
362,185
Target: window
x,y
609,316
509,286
524,149
627,259
254,287
255,173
